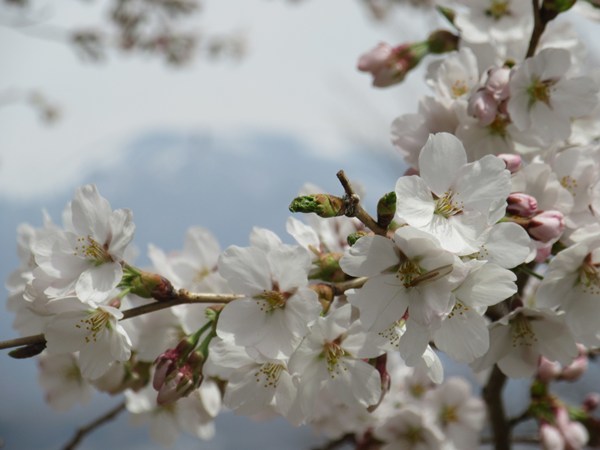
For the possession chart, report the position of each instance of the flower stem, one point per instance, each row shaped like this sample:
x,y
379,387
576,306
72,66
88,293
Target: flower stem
x,y
354,209
538,28
525,269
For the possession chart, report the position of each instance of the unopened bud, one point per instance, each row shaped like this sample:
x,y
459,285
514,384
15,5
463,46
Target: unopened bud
x,y
483,107
328,268
146,284
179,385
181,381
323,205
577,368
386,208
513,162
170,359
389,65
547,226
548,370
551,8
551,438
497,83
165,364
543,253
591,401
522,205
376,59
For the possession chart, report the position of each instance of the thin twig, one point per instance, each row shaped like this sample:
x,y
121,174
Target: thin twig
x,y
18,342
341,287
85,430
525,415
492,394
528,440
356,210
538,28
335,443
529,270
183,297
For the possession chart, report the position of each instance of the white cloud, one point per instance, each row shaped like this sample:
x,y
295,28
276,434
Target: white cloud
x,y
299,77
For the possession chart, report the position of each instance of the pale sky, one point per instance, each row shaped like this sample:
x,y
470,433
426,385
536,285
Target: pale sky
x,y
298,76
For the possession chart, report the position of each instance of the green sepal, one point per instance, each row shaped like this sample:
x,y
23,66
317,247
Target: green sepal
x,y
324,205
442,41
146,284
447,13
352,238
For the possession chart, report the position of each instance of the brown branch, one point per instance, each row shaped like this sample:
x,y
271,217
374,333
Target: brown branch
x,y
492,395
528,440
354,209
183,297
348,438
341,287
538,29
18,342
85,430
525,415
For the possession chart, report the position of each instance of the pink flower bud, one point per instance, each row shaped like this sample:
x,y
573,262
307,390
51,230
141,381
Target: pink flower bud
x,y
497,83
165,363
513,162
591,401
483,107
548,370
574,433
543,253
522,205
389,65
551,438
547,226
576,369
179,384
376,59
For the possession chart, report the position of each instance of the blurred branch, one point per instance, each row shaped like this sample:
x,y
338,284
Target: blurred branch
x,y
47,110
85,430
155,27
492,395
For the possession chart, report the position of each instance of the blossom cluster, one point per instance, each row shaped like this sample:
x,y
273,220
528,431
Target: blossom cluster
x,y
487,250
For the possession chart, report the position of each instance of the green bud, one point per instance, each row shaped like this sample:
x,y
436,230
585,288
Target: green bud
x,y
328,268
352,238
386,208
324,205
557,6
442,41
146,284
